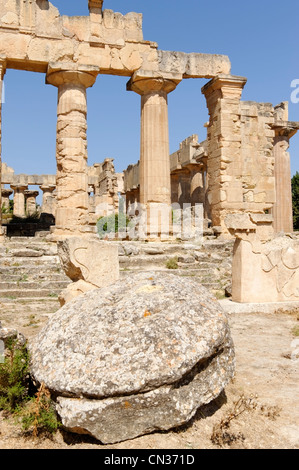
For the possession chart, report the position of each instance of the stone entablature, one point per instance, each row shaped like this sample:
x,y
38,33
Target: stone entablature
x,y
34,35
104,187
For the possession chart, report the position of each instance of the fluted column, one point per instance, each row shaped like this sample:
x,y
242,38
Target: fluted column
x,y
2,72
282,208
30,202
154,169
71,148
5,193
19,200
48,199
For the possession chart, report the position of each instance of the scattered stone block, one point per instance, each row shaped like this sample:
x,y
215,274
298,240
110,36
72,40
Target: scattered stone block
x,y
93,261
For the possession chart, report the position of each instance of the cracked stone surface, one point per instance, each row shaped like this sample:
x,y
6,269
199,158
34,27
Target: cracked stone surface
x,y
137,356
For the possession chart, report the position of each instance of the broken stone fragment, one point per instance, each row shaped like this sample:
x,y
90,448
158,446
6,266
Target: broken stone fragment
x,y
92,260
73,290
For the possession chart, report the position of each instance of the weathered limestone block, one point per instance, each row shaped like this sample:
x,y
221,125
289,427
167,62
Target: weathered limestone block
x,y
73,290
139,356
264,269
270,274
93,261
194,64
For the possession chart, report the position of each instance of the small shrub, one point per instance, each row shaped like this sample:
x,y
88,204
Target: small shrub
x,y
14,376
172,263
39,415
113,223
222,433
295,330
35,410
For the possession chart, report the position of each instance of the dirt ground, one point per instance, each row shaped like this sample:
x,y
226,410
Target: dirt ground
x,y
267,417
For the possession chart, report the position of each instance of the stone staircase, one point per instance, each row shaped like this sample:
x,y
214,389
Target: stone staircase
x,y
210,263
31,279
31,276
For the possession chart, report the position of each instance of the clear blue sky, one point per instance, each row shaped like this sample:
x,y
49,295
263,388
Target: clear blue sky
x,y
260,37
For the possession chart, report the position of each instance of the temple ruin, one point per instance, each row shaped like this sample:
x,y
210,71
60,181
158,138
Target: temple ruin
x,y
130,353
242,167
240,174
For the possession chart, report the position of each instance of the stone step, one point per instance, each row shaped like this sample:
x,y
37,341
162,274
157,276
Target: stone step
x,y
28,285
28,277
40,259
15,267
35,302
29,293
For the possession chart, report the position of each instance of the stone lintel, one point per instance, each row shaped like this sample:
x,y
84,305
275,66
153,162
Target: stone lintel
x,y
63,73
223,80
194,65
145,81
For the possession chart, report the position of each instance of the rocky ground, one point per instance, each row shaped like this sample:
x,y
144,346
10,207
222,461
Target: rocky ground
x,y
258,410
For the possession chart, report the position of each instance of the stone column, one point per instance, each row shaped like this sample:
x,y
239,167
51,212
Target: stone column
x,y
224,165
154,169
2,72
19,200
282,208
5,197
30,202
47,201
71,148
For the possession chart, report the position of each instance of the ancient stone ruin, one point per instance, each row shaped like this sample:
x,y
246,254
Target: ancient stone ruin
x,y
73,51
128,355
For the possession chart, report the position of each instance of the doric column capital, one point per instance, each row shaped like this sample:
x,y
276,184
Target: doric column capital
x,y
31,193
49,188
63,74
2,66
6,192
285,128
19,187
144,82
95,5
225,82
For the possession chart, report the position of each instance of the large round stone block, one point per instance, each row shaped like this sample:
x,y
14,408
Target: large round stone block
x,y
141,355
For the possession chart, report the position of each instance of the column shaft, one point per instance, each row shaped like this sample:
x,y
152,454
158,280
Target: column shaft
x,y
223,95
154,152
282,209
154,168
2,72
71,156
71,151
19,200
48,199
